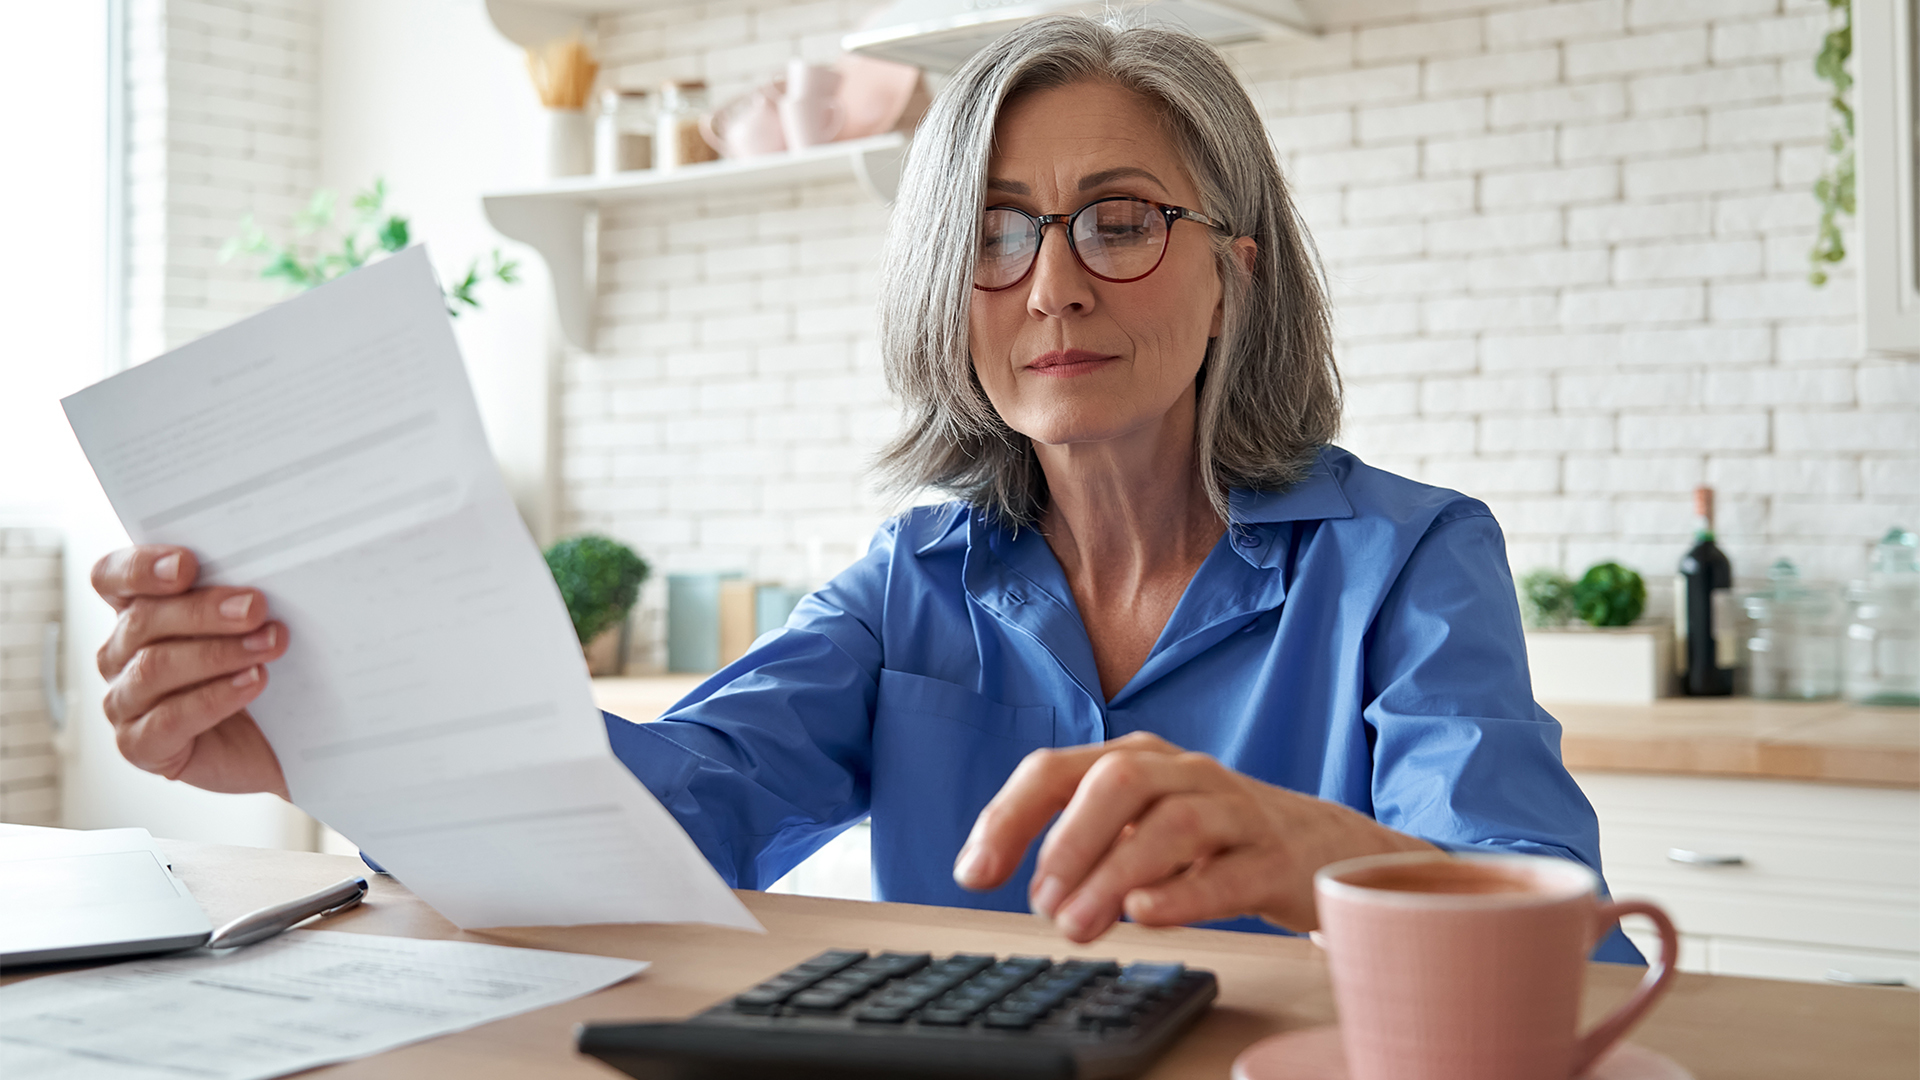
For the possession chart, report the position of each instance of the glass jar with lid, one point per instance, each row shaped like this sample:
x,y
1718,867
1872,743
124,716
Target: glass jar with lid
x,y
1883,638
1793,651
677,139
623,132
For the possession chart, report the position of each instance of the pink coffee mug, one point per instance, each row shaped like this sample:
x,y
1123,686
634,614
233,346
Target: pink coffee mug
x,y
1470,967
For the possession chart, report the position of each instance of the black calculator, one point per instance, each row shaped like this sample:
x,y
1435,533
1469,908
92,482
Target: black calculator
x,y
851,1015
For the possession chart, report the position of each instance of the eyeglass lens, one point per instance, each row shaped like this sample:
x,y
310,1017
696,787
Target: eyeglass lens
x,y
1115,239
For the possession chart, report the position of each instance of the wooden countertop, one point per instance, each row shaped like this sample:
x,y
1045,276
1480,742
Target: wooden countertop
x,y
1781,740
1719,1027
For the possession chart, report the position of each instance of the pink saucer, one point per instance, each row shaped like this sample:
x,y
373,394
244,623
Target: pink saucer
x,y
1315,1054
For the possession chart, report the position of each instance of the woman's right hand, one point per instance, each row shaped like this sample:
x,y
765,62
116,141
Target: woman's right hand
x,y
181,667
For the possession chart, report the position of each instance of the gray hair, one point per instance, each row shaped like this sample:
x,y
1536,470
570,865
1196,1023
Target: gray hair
x,y
1269,394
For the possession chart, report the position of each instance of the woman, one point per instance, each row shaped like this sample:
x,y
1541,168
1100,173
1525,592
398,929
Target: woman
x,y
1163,607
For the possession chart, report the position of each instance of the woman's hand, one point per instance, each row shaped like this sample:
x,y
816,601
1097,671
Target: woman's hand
x,y
182,665
1164,836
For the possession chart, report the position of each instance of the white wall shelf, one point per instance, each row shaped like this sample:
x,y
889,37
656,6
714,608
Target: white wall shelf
x,y
531,23
554,219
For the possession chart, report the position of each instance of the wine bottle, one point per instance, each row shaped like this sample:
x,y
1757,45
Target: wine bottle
x,y
1704,650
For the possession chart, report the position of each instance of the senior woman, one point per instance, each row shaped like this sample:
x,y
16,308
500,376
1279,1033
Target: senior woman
x,y
1162,609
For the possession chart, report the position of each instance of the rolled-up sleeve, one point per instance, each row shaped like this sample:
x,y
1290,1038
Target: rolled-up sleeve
x,y
772,756
1463,756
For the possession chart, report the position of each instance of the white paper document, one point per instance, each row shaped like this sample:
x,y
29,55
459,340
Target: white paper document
x,y
303,999
433,705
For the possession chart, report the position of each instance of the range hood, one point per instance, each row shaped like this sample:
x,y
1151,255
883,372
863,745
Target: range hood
x,y
939,35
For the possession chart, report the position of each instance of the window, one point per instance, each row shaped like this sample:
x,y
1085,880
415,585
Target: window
x,y
1886,48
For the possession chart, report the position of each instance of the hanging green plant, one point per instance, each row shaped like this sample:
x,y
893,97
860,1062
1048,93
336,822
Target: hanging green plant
x,y
1834,189
311,258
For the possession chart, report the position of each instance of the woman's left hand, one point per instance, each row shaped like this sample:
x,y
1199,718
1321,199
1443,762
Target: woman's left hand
x,y
1164,836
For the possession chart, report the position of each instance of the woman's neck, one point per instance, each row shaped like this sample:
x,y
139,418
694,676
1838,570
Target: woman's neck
x,y
1127,513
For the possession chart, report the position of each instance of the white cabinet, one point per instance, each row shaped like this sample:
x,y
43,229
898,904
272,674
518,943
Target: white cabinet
x,y
1769,878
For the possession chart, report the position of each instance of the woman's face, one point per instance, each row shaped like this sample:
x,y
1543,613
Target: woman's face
x,y
1064,356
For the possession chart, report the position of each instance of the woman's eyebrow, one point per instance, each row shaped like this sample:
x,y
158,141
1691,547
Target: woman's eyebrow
x,y
1094,180
1088,182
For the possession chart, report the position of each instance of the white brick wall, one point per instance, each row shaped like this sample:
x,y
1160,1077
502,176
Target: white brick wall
x,y
1616,308
29,603
223,122
1566,242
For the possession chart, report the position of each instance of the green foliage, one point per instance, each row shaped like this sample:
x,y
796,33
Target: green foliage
x,y
1609,594
312,258
1834,189
599,579
1546,599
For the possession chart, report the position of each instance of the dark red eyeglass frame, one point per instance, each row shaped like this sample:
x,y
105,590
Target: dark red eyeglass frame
x,y
1041,221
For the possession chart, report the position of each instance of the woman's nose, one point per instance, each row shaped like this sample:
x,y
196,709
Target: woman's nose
x,y
1059,285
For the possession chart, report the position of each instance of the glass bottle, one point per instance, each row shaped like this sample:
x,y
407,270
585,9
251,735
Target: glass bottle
x,y
1794,649
1883,640
1705,651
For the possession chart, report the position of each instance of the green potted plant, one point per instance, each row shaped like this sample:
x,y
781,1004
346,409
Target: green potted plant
x,y
1546,599
1604,656
1609,594
599,578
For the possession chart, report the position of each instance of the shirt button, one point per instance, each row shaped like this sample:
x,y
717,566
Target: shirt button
x,y
1248,540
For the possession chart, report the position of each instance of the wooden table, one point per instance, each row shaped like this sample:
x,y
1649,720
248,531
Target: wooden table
x,y
1720,1028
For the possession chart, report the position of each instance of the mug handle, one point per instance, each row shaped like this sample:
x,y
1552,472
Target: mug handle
x,y
1659,976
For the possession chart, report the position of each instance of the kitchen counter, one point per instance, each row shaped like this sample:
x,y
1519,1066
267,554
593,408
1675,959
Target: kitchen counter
x,y
1744,737
1827,741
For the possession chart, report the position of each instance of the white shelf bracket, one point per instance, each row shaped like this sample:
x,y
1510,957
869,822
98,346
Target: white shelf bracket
x,y
558,230
878,171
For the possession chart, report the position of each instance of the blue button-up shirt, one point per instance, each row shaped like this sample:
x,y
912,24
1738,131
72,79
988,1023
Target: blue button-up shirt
x,y
1355,637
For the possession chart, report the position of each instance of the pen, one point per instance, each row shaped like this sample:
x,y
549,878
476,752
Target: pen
x,y
268,921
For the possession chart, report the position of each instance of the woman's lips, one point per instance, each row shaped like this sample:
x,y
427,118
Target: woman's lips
x,y
1062,363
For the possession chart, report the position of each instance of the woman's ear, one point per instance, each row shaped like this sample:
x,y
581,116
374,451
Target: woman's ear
x,y
1246,248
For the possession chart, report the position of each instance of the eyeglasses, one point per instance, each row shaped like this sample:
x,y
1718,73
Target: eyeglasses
x,y
1117,239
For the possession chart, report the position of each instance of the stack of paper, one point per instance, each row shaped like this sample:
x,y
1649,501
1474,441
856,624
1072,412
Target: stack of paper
x,y
300,1000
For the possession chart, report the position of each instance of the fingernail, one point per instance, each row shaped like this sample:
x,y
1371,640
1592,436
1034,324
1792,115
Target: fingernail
x,y
970,866
237,605
247,677
1077,917
260,640
167,567
1046,896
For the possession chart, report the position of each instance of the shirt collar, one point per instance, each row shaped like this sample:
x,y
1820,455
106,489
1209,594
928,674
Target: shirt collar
x,y
1316,497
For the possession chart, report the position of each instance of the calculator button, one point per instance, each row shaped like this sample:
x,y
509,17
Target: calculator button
x,y
821,999
1152,978
829,962
1105,1016
1014,1020
898,964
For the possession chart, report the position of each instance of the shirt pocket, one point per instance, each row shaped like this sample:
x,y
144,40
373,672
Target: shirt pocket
x,y
940,751
911,698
